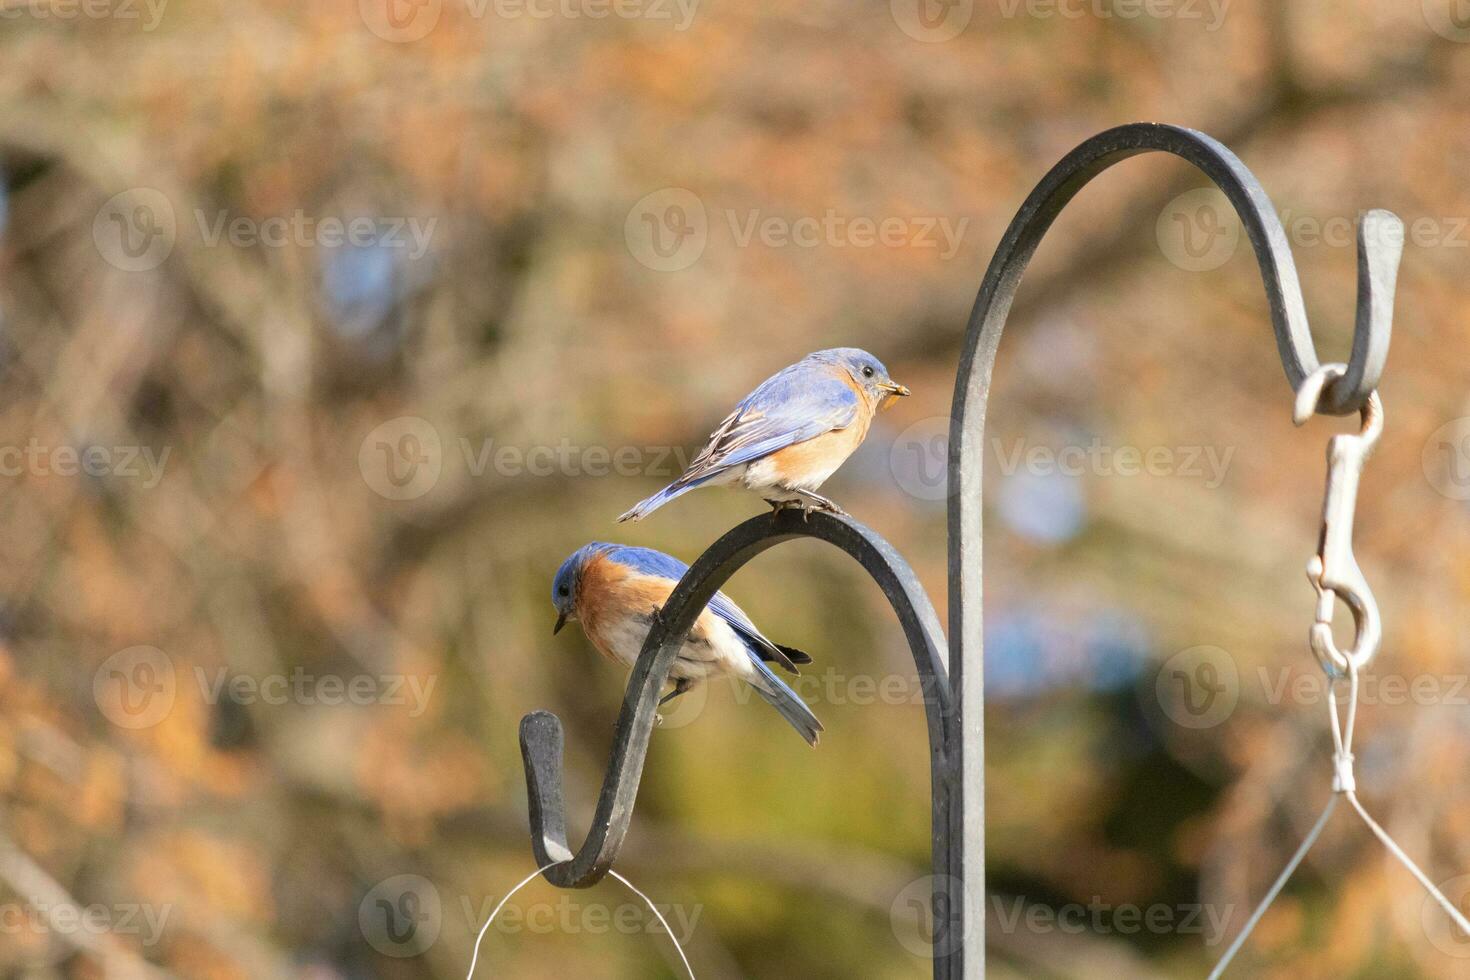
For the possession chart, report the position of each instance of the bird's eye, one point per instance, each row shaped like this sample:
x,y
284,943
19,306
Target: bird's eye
x,y
868,371
563,591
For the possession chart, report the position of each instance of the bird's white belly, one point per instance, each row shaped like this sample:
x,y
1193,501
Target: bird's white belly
x,y
765,478
720,651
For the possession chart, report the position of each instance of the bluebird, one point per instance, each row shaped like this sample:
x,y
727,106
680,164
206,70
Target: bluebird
x,y
792,433
615,592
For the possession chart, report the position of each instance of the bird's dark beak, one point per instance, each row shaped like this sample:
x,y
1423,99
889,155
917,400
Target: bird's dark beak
x,y
560,622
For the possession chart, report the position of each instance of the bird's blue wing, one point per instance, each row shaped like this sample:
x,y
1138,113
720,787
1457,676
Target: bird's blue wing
x,y
799,403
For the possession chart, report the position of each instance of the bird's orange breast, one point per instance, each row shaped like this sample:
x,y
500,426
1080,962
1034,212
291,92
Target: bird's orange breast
x,y
821,455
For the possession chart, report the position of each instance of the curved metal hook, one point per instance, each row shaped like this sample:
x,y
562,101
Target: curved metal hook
x,y
1380,246
541,731
1333,570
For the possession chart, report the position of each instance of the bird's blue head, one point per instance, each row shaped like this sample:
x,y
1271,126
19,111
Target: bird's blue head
x,y
867,372
568,579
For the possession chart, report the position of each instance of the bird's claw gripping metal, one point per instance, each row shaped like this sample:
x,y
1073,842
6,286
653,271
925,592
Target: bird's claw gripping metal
x,y
1333,570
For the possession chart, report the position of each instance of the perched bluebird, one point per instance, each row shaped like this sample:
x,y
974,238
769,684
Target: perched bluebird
x,y
792,433
615,592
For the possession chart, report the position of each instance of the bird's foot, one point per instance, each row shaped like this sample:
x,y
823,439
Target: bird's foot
x,y
815,501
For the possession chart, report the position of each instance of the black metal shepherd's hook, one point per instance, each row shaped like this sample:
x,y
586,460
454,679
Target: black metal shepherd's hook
x,y
954,700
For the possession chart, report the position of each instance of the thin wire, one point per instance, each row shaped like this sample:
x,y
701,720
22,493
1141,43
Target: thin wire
x,y
475,956
1396,851
660,916
1280,883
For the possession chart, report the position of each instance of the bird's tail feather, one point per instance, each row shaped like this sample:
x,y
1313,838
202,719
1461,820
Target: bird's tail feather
x,y
645,507
787,703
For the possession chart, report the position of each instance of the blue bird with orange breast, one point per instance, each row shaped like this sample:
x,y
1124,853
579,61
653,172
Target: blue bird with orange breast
x,y
792,433
615,591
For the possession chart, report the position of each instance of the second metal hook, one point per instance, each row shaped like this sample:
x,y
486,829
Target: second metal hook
x,y
1334,570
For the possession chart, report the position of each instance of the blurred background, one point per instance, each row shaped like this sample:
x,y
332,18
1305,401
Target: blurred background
x,y
328,330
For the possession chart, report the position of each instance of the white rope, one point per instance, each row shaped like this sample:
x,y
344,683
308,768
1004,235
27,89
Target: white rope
x,y
1344,783
1398,852
475,956
672,938
1280,883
